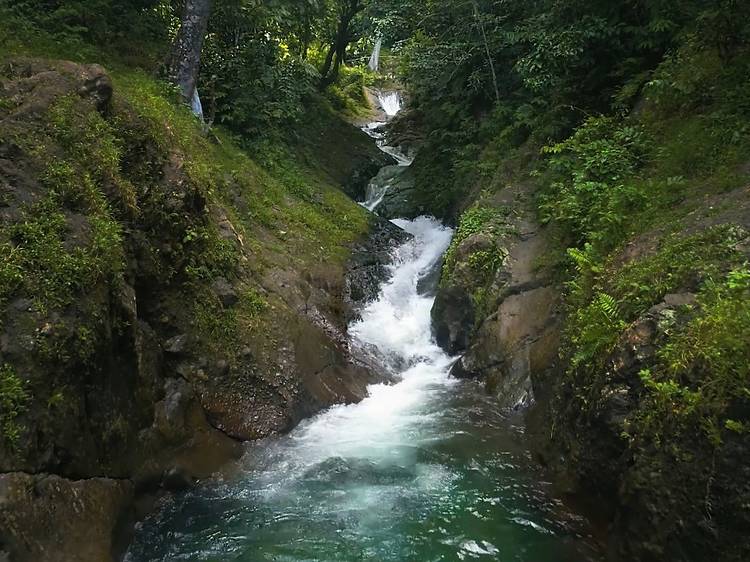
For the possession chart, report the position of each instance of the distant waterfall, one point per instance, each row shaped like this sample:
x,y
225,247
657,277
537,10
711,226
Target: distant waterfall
x,y
374,63
196,105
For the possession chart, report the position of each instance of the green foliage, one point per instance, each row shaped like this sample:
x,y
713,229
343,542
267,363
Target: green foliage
x,y
209,255
348,94
604,298
593,330
88,29
13,400
485,263
702,374
92,143
596,195
47,269
249,85
680,263
476,219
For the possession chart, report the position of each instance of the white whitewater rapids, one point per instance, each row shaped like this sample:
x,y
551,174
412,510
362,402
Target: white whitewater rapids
x,y
421,469
396,327
390,102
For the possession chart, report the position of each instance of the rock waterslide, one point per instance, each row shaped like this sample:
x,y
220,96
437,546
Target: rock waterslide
x,y
426,468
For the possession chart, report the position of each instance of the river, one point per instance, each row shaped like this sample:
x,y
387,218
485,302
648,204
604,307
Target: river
x,y
425,469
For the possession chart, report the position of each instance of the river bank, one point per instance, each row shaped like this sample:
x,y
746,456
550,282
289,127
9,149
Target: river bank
x,y
427,466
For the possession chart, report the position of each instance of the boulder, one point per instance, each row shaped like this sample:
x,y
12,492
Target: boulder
x,y
46,517
453,319
398,182
368,268
224,292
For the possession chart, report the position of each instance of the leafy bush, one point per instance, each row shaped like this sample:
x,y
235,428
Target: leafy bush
x,y
474,220
702,375
595,194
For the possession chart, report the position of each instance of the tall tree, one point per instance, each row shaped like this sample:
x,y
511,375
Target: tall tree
x,y
347,11
185,58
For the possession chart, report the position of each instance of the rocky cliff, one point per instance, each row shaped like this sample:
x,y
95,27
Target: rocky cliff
x,y
629,352
162,298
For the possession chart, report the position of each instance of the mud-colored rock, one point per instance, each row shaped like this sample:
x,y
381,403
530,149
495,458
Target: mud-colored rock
x,y
452,319
515,345
177,345
45,517
225,292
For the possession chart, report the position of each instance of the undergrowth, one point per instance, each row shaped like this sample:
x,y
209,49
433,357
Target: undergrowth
x,y
13,399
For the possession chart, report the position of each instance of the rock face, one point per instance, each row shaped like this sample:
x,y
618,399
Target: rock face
x,y
608,427
45,517
189,334
513,339
398,201
453,320
514,345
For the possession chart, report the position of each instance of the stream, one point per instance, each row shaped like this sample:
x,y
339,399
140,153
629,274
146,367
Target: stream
x,y
426,469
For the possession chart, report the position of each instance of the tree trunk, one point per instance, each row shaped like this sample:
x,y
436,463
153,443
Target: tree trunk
x,y
329,60
330,69
186,51
487,51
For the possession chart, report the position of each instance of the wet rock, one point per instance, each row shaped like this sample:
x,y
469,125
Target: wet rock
x,y
177,479
398,201
368,264
171,413
360,176
44,517
452,319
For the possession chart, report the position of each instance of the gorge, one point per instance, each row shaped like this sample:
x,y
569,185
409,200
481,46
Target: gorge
x,y
424,468
409,280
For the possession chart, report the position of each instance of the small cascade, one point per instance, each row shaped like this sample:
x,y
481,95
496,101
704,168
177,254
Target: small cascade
x,y
390,102
374,130
424,468
375,194
427,468
374,63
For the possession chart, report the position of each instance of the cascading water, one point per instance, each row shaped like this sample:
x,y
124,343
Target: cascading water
x,y
424,469
374,63
390,102
376,190
374,130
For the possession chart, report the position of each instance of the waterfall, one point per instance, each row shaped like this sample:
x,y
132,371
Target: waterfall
x,y
390,102
427,468
374,63
196,105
